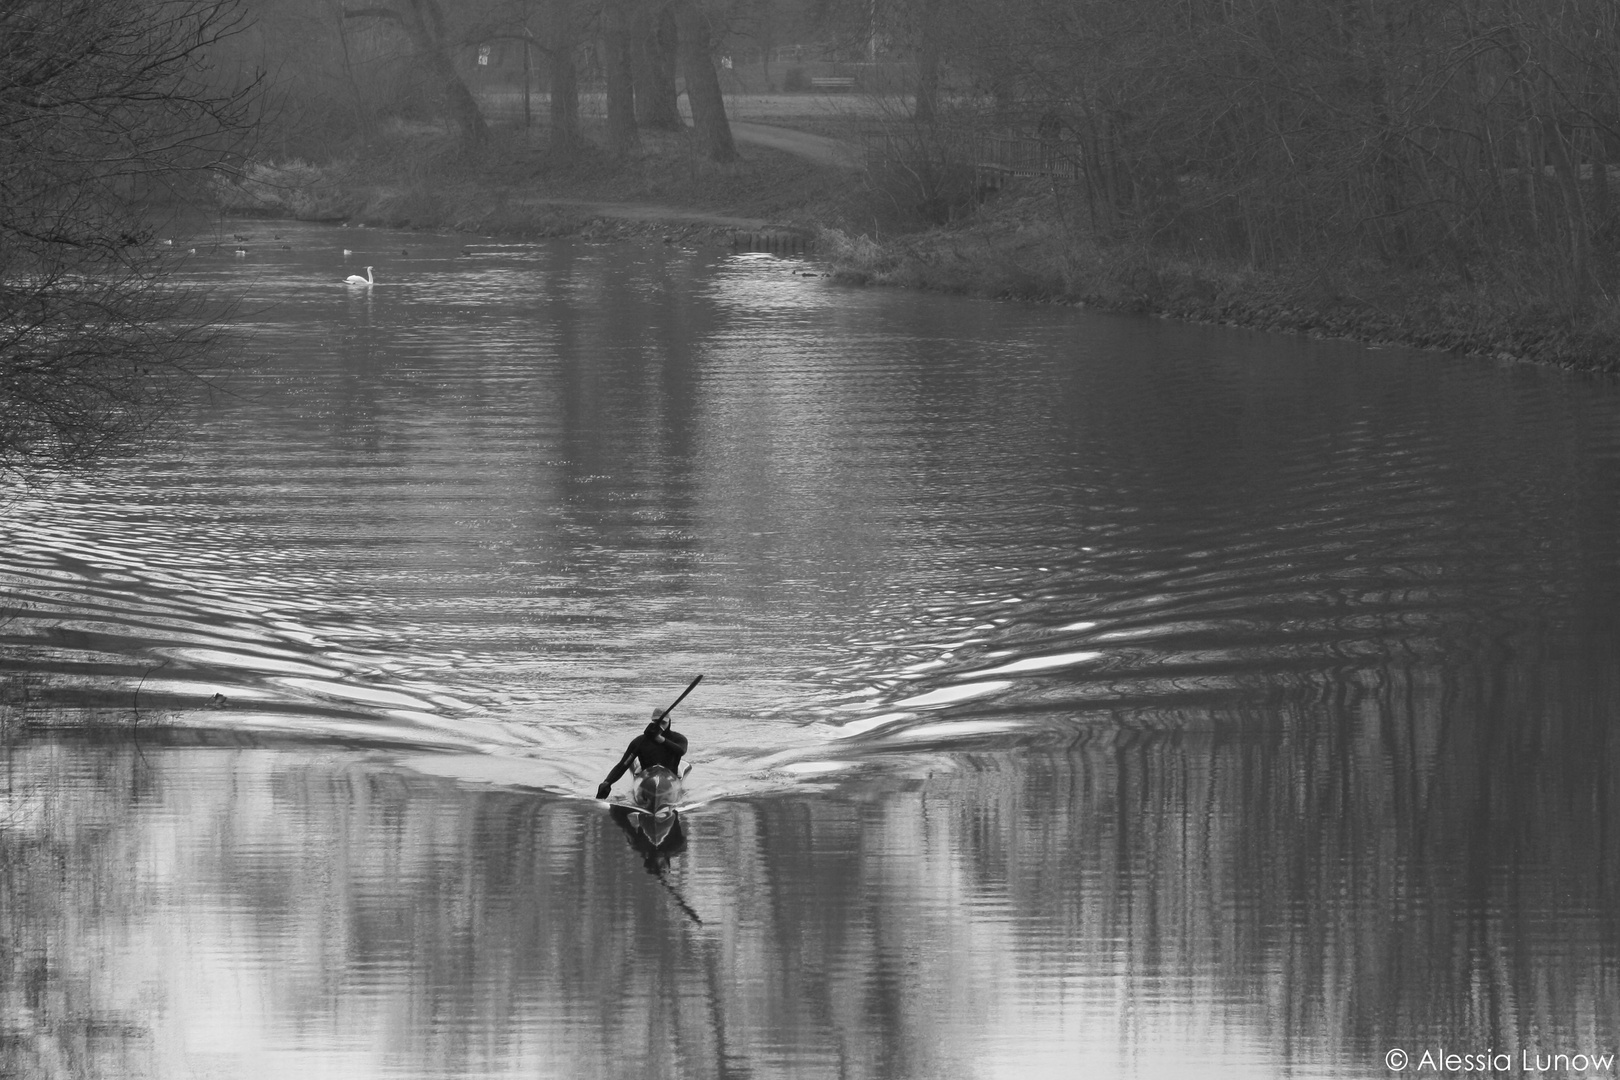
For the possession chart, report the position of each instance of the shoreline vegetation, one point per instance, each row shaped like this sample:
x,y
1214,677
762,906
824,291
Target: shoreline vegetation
x,y
1022,251
425,179
1025,240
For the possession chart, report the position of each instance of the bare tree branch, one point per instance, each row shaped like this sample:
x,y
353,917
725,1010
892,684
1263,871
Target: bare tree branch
x,y
109,113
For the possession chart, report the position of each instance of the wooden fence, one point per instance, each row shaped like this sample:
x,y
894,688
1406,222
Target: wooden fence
x,y
996,157
999,158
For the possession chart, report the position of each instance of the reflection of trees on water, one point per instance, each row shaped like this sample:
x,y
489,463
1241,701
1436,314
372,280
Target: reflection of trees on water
x,y
1427,858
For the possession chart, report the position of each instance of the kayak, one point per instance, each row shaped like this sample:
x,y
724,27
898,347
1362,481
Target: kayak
x,y
657,791
654,807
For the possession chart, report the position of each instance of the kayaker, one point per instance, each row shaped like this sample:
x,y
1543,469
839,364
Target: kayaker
x,y
658,745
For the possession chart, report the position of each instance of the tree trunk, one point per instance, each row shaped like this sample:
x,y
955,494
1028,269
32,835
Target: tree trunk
x,y
364,118
617,49
565,131
1600,178
655,44
709,125
423,23
1567,169
927,104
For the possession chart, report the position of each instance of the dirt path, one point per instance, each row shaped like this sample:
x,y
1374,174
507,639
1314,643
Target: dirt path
x,y
817,148
647,212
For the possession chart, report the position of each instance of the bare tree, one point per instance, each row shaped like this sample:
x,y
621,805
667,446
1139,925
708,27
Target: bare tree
x,y
1468,139
561,38
655,44
709,124
108,114
618,59
423,22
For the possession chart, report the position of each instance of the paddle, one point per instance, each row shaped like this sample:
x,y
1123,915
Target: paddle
x,y
689,688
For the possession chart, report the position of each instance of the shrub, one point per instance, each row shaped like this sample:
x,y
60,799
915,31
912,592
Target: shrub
x,y
292,189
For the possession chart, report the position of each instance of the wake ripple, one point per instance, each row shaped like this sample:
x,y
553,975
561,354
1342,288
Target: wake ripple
x,y
90,628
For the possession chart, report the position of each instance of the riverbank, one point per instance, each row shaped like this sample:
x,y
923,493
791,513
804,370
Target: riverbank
x,y
1022,244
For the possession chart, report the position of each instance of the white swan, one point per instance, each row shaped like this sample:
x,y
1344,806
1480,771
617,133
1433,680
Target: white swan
x,y
356,279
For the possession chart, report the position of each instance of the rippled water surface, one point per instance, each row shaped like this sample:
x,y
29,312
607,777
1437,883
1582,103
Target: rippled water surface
x,y
1082,695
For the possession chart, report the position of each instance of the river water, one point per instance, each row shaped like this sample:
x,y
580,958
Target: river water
x,y
1083,695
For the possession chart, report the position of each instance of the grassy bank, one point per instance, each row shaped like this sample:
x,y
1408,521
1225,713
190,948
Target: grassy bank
x,y
516,186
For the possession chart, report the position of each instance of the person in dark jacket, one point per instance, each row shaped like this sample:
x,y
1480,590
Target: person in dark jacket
x,y
658,745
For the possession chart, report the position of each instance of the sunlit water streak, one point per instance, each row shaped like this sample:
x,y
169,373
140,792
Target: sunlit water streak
x,y
1081,693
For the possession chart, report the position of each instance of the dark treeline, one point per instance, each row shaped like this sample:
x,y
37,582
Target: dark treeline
x,y
1450,135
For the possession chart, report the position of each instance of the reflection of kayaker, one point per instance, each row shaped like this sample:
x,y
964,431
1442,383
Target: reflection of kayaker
x,y
658,745
656,853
